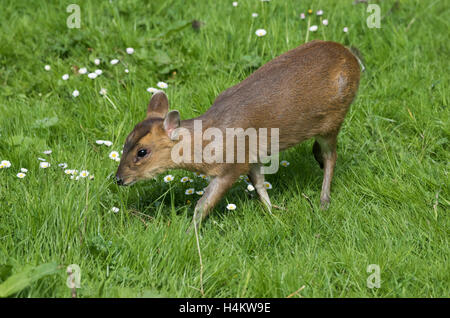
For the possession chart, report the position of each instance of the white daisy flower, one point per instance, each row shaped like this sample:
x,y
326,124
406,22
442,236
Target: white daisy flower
x,y
261,32
114,61
47,152
84,173
82,70
65,77
320,12
231,206
127,71
98,72
63,165
21,175
24,170
168,178
92,75
6,164
267,185
107,143
130,50
103,91
117,159
201,192
69,171
114,209
189,191
325,22
345,30
97,61
162,85
152,90
114,155
302,16
44,165
313,28
75,93
254,15
47,67
99,142
250,188
184,179
284,163
235,4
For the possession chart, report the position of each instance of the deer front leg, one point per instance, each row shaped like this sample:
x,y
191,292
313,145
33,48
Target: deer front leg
x,y
257,178
213,193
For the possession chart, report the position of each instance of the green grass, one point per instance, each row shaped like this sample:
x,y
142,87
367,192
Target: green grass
x,y
390,195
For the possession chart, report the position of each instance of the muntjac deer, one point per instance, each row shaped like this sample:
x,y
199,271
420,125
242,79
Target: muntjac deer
x,y
304,93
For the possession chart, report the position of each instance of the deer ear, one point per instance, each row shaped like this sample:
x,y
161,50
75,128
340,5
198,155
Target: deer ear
x,y
158,106
172,122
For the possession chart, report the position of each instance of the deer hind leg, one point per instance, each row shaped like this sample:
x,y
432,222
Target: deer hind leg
x,y
324,150
257,179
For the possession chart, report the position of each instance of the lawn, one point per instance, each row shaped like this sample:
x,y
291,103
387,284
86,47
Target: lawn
x,y
390,194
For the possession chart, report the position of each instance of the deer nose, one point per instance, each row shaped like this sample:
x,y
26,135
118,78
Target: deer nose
x,y
119,181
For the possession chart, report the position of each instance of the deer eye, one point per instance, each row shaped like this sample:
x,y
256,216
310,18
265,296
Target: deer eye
x,y
141,153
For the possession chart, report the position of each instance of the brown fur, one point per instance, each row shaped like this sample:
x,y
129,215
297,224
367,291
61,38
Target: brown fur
x,y
305,92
